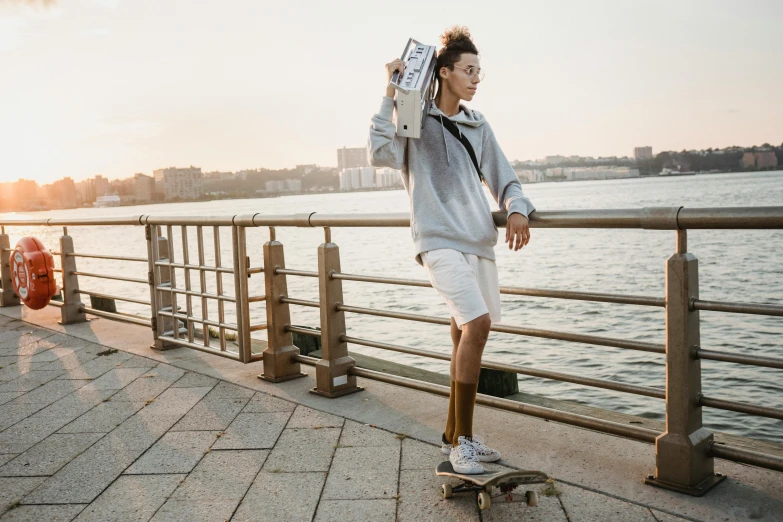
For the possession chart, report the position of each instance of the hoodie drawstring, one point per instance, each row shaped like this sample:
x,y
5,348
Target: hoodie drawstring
x,y
443,131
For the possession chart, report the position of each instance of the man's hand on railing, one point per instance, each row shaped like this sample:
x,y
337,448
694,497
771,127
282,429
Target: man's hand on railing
x,y
517,231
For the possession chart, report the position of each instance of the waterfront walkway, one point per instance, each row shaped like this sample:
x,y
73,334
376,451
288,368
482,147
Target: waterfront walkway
x,y
96,426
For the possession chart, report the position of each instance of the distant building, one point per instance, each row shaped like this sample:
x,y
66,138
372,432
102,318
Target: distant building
x,y
219,176
352,158
143,188
25,194
61,194
590,173
284,185
387,178
748,161
357,178
554,160
642,153
179,184
765,159
101,185
530,175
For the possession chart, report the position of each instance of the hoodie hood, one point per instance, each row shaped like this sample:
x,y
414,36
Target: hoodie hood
x,y
465,116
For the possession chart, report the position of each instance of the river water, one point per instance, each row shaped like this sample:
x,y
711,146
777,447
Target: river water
x,y
734,265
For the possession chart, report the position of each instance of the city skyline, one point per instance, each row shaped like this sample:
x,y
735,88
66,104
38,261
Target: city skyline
x,y
89,92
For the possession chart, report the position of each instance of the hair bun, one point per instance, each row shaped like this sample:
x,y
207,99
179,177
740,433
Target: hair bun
x,y
455,35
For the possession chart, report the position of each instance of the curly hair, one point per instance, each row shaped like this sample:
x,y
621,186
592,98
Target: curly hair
x,y
456,40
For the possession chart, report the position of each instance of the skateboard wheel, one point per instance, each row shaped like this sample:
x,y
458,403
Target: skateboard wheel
x,y
445,491
532,498
483,501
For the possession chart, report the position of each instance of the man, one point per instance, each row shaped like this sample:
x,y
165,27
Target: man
x,y
453,231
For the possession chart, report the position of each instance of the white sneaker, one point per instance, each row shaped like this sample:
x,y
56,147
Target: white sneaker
x,y
463,458
483,453
445,447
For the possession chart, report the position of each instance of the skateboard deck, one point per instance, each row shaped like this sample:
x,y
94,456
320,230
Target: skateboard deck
x,y
505,481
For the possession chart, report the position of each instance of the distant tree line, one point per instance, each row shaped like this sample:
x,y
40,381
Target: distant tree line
x,y
723,160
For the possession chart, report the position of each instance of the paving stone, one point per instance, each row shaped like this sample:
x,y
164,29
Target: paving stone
x,y
212,414
33,429
226,389
151,384
116,378
14,489
70,361
9,396
265,403
548,508
190,380
6,457
222,476
303,450
28,381
356,434
103,418
11,413
52,513
281,496
362,473
139,362
194,511
49,455
582,505
253,431
304,417
7,360
420,455
131,498
50,355
96,367
666,517
420,498
105,460
22,336
52,391
175,452
356,510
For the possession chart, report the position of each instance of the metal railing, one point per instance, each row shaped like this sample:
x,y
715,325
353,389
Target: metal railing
x,y
684,452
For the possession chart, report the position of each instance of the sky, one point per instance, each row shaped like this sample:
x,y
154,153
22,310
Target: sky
x,y
115,87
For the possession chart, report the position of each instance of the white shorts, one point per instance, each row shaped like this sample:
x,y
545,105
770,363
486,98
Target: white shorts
x,y
467,282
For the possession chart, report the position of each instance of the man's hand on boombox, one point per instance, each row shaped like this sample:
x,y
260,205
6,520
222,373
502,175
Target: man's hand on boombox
x,y
391,68
517,231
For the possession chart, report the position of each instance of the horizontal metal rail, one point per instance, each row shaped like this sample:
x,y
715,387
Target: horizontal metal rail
x,y
615,428
289,271
745,456
116,278
513,290
117,316
56,304
255,270
109,296
300,302
303,330
544,374
651,218
182,317
256,299
165,287
741,407
57,270
738,308
750,360
100,256
258,327
530,332
200,347
205,268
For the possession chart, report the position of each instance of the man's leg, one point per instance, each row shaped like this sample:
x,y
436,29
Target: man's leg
x,y
468,358
456,334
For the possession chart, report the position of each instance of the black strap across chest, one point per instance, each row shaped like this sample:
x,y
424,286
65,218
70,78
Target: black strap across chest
x,y
452,128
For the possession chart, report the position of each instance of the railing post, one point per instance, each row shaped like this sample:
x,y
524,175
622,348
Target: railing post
x,y
332,371
7,295
158,250
278,357
71,310
241,260
682,456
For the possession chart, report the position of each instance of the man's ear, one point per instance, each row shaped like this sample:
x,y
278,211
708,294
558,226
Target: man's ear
x,y
444,72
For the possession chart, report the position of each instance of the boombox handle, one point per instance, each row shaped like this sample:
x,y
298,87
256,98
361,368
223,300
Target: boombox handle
x,y
396,76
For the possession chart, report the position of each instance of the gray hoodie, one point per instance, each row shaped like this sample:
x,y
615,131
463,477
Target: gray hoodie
x,y
448,207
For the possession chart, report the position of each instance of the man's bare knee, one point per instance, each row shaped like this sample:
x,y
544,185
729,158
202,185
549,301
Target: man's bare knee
x,y
478,327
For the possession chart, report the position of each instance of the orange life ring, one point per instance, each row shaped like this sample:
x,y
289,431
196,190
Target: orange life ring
x,y
32,273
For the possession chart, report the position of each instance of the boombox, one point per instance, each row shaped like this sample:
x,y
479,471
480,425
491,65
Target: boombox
x,y
415,88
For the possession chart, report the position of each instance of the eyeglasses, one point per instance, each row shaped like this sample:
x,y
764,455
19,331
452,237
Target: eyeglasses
x,y
472,71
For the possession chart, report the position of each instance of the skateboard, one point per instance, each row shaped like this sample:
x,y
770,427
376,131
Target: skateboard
x,y
505,481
